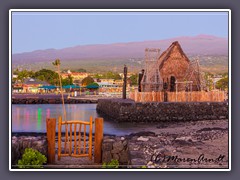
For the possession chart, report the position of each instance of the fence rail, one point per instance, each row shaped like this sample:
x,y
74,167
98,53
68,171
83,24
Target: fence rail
x,y
195,96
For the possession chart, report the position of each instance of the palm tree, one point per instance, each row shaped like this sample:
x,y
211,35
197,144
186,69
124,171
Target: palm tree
x,y
57,63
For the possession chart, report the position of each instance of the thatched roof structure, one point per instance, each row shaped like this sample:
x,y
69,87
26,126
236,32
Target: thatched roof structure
x,y
174,65
173,48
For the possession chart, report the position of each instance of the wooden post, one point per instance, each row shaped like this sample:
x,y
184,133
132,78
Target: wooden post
x,y
153,96
191,92
143,97
136,95
66,138
59,137
79,138
70,146
176,93
51,132
98,140
84,140
75,138
90,139
124,95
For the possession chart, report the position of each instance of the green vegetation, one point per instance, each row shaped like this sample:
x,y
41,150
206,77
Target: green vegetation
x,y
67,81
32,159
79,70
74,70
16,71
222,83
98,76
87,80
209,81
108,75
22,74
93,84
44,75
47,75
134,79
112,164
213,64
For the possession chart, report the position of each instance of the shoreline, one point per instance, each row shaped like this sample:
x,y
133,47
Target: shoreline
x,y
157,128
53,101
184,140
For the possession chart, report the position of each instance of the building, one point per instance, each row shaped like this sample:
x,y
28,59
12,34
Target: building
x,y
109,81
119,82
129,74
17,87
175,67
14,76
175,70
75,75
112,82
107,85
30,85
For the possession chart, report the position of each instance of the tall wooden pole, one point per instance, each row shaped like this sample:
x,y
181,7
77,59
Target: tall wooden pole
x,y
125,82
57,63
60,81
140,76
90,138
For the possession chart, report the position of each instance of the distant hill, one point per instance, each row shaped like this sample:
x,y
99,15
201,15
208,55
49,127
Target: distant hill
x,y
201,45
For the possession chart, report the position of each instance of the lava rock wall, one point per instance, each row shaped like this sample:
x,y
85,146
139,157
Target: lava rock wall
x,y
129,111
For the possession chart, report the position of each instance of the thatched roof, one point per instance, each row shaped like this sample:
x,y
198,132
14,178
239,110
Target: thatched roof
x,y
166,54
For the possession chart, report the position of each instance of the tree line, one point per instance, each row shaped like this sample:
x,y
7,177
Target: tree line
x,y
44,75
52,77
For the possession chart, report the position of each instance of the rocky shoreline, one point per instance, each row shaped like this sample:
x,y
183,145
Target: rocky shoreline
x,y
200,144
196,144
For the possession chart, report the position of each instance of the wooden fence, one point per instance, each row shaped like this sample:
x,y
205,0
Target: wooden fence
x,y
195,96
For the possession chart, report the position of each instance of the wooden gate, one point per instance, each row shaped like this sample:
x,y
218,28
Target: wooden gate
x,y
75,141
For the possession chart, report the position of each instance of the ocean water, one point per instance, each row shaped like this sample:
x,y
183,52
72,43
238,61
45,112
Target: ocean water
x,y
32,118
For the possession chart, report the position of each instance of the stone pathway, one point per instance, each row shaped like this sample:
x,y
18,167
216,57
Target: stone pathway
x,y
74,162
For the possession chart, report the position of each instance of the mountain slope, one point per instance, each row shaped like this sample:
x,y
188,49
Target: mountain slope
x,y
192,46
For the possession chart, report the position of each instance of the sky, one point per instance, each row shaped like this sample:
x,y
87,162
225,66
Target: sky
x,y
45,30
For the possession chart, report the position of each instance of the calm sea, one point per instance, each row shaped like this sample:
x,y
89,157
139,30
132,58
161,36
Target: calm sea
x,y
32,118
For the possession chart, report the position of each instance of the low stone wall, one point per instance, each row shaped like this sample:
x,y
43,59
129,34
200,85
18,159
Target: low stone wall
x,y
51,101
115,148
19,144
129,111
